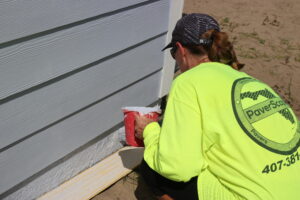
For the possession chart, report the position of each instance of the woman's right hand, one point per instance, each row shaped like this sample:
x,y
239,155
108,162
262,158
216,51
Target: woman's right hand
x,y
140,123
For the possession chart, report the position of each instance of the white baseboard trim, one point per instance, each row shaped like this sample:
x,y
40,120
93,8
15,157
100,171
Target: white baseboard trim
x,y
90,182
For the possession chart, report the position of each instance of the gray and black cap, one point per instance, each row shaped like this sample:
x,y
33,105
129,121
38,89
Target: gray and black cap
x,y
190,27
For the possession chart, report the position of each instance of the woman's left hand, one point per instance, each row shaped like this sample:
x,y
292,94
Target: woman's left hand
x,y
140,123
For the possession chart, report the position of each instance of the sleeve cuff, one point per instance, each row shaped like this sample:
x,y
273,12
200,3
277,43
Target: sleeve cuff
x,y
152,130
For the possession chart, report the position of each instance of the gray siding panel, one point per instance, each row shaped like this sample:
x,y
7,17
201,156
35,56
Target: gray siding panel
x,y
21,18
53,102
45,58
36,153
66,69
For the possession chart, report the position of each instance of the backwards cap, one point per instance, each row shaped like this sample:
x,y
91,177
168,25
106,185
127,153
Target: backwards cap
x,y
190,27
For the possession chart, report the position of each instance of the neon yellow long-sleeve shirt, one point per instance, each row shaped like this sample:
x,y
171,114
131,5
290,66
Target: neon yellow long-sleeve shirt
x,y
232,131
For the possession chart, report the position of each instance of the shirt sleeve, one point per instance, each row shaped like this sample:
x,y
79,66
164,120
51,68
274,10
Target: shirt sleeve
x,y
174,150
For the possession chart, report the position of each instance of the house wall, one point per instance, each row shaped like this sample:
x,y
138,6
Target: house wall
x,y
175,13
66,69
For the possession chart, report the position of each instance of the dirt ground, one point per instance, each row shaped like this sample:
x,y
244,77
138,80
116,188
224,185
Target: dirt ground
x,y
265,34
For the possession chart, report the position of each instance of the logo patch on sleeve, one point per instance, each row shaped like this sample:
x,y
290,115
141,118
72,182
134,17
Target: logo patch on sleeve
x,y
258,110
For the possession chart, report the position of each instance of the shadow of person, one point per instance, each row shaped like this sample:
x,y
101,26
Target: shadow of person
x,y
131,159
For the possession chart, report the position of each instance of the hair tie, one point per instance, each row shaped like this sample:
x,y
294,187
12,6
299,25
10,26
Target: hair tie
x,y
205,42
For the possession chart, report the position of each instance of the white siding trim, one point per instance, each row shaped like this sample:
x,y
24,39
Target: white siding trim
x,y
176,8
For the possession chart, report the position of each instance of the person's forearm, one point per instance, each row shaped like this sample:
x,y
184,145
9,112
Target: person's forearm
x,y
151,137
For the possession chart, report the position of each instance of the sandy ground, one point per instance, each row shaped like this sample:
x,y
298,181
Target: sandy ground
x,y
266,38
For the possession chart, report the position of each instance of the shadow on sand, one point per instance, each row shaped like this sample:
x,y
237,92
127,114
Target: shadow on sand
x,y
131,158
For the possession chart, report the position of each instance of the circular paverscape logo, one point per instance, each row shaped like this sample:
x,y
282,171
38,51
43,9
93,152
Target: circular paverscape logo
x,y
265,117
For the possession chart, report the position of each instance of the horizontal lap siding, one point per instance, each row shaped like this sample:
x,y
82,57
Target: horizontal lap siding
x,y
38,152
42,107
46,58
21,18
62,89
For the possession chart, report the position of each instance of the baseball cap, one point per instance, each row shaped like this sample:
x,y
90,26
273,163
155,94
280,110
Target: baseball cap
x,y
190,27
